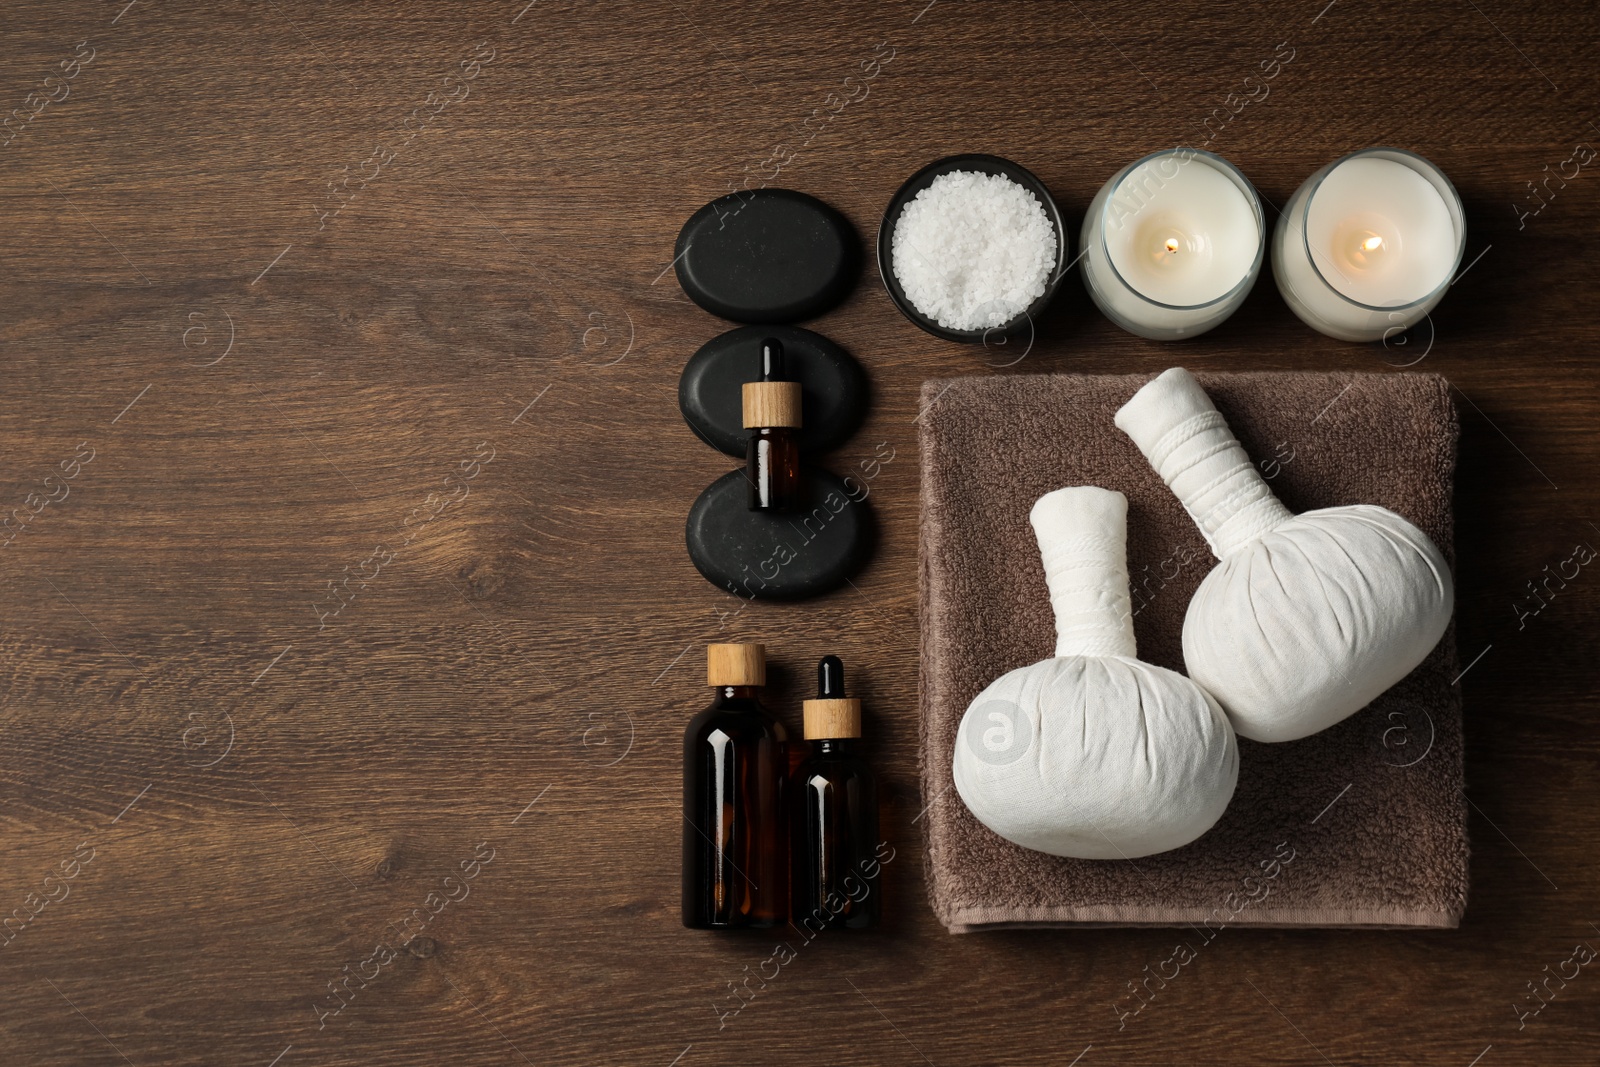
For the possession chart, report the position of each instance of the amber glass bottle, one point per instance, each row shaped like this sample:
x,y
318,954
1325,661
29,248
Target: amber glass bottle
x,y
772,415
833,799
735,845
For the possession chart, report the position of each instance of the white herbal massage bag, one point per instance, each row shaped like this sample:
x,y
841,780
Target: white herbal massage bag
x,y
1306,618
1093,753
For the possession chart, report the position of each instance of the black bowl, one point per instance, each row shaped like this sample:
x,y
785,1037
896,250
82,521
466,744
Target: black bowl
x,y
986,165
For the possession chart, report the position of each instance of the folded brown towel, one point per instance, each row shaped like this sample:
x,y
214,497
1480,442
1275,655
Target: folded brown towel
x,y
1363,824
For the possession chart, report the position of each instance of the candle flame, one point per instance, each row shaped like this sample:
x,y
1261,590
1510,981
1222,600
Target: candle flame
x,y
1372,244
1172,244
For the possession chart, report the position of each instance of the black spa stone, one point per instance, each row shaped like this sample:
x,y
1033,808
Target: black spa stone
x,y
767,255
761,556
833,387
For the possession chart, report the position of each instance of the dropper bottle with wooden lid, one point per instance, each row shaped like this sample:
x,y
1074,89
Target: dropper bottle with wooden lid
x,y
735,844
772,415
836,856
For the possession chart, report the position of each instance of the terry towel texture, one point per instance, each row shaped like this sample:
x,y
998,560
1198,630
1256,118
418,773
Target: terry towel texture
x,y
1370,812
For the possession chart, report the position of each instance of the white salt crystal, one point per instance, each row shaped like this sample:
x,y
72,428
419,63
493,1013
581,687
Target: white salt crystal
x,y
973,250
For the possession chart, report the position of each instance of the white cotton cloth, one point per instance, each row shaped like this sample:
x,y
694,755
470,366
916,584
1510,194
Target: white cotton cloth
x,y
1306,619
1094,754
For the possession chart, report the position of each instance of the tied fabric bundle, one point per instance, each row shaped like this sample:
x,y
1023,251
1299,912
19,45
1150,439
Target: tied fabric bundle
x,y
1093,753
1306,619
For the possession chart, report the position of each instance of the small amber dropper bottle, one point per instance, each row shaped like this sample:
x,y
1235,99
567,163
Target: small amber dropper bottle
x,y
735,844
834,803
772,415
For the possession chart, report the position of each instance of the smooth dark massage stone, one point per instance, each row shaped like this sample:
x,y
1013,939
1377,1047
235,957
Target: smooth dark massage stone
x,y
758,555
833,387
768,255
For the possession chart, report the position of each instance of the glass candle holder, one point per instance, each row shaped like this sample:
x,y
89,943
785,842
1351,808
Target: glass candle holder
x,y
1368,245
1173,243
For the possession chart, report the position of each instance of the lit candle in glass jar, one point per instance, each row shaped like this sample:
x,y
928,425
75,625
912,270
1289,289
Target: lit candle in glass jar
x,y
1368,245
1173,243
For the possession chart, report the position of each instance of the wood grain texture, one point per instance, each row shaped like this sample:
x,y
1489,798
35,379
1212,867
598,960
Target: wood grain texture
x,y
271,790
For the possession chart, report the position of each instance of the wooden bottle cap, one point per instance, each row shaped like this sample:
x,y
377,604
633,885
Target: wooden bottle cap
x,y
771,404
736,665
832,718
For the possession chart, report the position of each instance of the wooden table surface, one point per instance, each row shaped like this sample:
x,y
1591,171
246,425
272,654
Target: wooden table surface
x,y
346,592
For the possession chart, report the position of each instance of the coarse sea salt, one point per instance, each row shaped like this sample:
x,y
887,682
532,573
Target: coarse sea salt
x,y
973,251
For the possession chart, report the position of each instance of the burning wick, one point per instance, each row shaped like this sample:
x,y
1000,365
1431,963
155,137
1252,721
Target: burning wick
x,y
1371,244
1172,245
